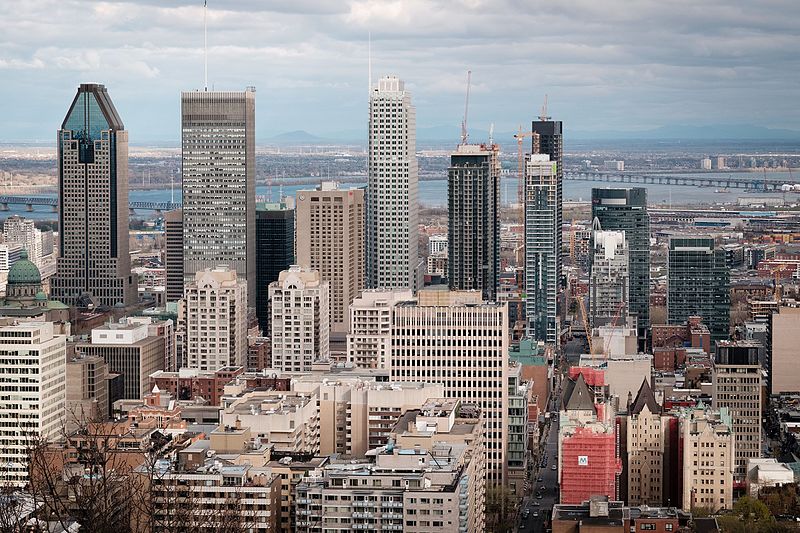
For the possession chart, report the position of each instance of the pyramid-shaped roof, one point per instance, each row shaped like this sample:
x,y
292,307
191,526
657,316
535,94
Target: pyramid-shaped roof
x,y
644,397
578,396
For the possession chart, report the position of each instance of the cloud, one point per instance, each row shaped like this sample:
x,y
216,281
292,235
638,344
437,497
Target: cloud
x,y
605,64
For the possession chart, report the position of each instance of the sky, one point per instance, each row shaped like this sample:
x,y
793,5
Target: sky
x,y
606,65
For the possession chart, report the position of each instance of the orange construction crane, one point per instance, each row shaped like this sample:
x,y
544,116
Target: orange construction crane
x,y
585,319
617,315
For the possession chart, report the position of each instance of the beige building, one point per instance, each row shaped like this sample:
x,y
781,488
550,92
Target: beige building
x,y
623,373
645,447
453,338
32,378
403,486
369,338
785,340
87,390
212,321
287,421
330,239
291,473
128,350
300,304
708,459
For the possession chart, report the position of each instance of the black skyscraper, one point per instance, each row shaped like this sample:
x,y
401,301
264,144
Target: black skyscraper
x,y
274,253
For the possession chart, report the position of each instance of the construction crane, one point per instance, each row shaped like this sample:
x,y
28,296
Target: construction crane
x,y
585,319
520,137
617,315
464,134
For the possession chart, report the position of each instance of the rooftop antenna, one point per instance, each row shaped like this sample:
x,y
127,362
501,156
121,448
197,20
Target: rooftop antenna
x,y
205,44
544,117
464,134
491,134
369,61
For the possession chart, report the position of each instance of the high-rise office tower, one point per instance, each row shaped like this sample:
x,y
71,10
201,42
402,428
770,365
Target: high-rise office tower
x,y
452,338
274,253
626,210
330,239
173,260
392,231
22,231
698,284
219,298
219,183
473,236
736,385
93,203
33,366
300,319
608,284
542,247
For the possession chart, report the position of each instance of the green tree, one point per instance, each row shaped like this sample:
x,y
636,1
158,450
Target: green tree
x,y
501,509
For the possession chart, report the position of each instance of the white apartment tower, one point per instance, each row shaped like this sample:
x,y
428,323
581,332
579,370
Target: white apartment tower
x,y
20,230
219,183
452,338
392,207
330,239
608,284
33,366
300,319
212,321
369,341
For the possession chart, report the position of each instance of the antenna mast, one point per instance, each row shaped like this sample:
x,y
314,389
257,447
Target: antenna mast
x,y
544,117
464,134
491,134
205,44
369,62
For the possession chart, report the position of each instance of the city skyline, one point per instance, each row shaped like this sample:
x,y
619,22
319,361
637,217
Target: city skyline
x,y
712,66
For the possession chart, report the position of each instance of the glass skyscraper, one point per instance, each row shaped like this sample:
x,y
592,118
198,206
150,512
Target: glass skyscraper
x,y
219,183
94,263
275,224
626,210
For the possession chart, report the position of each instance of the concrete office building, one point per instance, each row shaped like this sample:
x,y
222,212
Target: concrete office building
x,y
392,214
93,204
32,378
275,229
609,283
216,298
219,183
128,350
542,247
646,452
437,244
452,338
473,202
173,254
736,385
300,319
22,231
698,284
785,373
87,390
708,459
330,239
626,210
370,338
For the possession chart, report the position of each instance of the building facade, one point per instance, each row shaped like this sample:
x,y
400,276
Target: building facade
x,y
473,202
698,284
609,279
453,339
392,207
173,254
32,377
330,239
219,183
542,247
708,459
300,319
369,341
93,204
785,374
275,228
219,298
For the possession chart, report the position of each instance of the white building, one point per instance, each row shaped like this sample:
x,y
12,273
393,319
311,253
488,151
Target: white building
x,y
762,473
613,165
452,338
392,186
22,231
705,163
437,244
369,341
212,321
33,366
300,319
608,285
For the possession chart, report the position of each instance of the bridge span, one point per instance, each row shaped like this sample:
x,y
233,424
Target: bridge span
x,y
49,201
752,184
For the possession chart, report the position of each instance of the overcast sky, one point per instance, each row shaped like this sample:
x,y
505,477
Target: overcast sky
x,y
605,64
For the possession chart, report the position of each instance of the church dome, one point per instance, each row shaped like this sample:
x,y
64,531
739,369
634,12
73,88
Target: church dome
x,y
24,272
41,296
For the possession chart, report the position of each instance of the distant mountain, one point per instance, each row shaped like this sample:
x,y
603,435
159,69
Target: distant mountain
x,y
706,133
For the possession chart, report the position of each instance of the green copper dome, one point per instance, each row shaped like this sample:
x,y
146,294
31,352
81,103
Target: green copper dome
x,y
24,272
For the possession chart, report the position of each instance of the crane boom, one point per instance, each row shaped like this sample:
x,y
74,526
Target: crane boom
x,y
464,134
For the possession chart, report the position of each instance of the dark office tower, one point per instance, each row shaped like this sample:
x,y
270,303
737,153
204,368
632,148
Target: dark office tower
x,y
274,253
698,284
173,260
626,210
93,204
548,139
219,183
473,197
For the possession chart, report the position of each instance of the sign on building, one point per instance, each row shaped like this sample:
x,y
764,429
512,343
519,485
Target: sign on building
x,y
583,460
